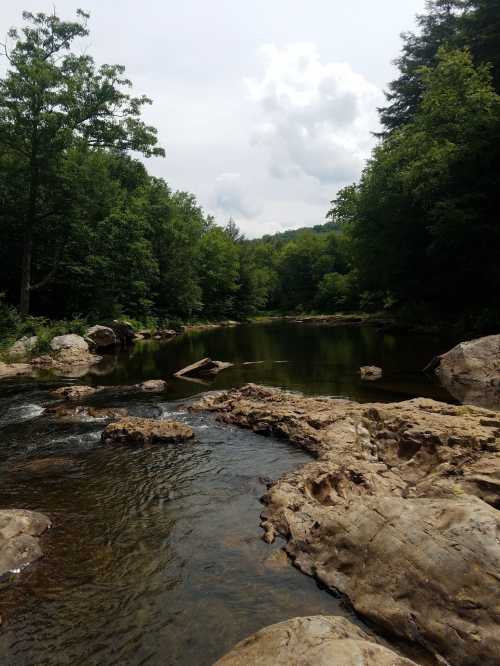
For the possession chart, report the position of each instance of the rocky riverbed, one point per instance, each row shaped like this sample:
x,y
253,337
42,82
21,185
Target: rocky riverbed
x,y
399,511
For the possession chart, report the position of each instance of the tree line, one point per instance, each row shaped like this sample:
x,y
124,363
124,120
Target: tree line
x,y
86,231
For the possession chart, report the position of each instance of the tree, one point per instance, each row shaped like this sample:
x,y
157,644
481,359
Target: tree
x,y
441,25
50,101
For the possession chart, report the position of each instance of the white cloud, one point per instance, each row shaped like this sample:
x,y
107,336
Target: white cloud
x,y
314,118
230,197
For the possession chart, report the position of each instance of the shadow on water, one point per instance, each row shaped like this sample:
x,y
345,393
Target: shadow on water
x,y
155,556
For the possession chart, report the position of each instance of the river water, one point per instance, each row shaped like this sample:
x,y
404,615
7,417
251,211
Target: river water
x,y
155,556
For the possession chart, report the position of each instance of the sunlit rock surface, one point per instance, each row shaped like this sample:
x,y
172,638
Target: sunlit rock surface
x,y
399,512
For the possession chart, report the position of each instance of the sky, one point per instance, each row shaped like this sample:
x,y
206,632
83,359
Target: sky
x,y
265,107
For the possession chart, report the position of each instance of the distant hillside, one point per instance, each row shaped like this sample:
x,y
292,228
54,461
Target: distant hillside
x,y
286,236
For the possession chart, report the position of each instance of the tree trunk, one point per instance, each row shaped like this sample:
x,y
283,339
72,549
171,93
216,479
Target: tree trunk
x,y
24,297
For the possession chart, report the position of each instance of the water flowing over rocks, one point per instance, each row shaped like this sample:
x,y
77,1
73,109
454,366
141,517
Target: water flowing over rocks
x,y
471,371
19,545
144,432
399,511
312,641
75,414
74,392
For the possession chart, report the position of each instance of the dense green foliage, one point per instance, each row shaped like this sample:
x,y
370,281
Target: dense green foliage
x,y
87,232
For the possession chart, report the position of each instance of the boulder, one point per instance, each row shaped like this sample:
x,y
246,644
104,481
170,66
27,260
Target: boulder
x,y
145,333
370,372
102,336
203,369
141,432
70,341
74,392
124,332
19,545
313,641
399,511
23,347
471,371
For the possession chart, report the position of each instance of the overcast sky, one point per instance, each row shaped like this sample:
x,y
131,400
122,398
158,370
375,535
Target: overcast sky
x,y
264,107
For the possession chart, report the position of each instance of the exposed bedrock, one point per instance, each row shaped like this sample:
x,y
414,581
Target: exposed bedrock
x,y
399,511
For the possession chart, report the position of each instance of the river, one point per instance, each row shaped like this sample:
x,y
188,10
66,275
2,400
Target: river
x,y
155,556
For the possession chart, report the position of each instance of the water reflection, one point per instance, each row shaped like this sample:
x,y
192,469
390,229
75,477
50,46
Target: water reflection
x,y
155,556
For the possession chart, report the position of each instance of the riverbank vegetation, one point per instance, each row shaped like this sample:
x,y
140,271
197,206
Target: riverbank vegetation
x,y
87,233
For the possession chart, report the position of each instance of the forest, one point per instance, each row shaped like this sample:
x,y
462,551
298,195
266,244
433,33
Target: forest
x,y
86,232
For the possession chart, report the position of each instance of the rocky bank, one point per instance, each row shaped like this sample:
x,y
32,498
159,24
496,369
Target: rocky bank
x,y
398,511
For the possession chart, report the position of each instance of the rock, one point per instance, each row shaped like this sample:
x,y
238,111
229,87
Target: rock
x,y
75,392
23,347
471,371
124,332
277,560
70,341
142,432
203,368
14,369
40,467
102,336
19,545
83,412
164,333
370,372
153,386
312,641
145,333
399,511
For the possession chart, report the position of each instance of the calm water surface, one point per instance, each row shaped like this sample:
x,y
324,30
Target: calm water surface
x,y
155,556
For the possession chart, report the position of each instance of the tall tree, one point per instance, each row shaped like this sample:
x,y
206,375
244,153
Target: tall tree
x,y
50,100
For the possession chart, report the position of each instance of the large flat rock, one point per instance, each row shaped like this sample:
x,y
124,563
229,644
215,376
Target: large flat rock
x,y
399,511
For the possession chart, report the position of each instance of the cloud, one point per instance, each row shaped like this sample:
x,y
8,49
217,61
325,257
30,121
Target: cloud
x,y
230,197
313,118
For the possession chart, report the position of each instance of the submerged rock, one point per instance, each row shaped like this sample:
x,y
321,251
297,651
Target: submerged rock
x,y
40,467
398,512
19,545
74,392
142,432
312,641
471,371
370,372
152,386
80,392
